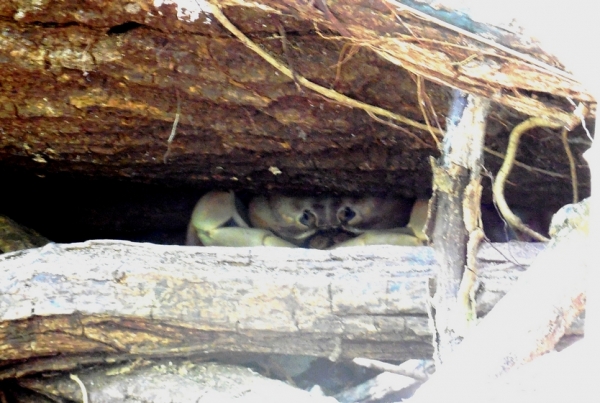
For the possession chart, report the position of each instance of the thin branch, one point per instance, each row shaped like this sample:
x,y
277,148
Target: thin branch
x,y
286,52
419,373
525,166
343,58
565,141
394,126
498,188
173,129
421,102
84,395
331,94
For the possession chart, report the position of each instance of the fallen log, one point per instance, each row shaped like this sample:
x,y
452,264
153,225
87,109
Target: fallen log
x,y
109,300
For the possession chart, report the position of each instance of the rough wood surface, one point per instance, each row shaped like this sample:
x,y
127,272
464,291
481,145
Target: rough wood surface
x,y
455,225
125,299
93,90
448,46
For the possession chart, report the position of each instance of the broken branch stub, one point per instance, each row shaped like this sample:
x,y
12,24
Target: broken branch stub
x,y
454,222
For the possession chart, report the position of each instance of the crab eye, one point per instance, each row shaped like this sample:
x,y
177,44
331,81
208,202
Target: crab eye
x,y
307,218
346,214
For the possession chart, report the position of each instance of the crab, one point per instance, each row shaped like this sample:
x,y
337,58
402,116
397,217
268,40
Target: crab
x,y
220,219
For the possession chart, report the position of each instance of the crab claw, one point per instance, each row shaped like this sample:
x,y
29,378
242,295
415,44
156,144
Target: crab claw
x,y
418,219
397,236
217,221
411,235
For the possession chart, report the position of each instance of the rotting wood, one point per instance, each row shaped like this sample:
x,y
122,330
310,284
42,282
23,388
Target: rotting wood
x,y
489,62
98,96
125,299
334,95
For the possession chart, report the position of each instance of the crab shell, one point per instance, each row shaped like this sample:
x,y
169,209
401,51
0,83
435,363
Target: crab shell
x,y
296,219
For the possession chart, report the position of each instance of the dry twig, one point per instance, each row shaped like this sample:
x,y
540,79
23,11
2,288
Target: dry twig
x,y
326,92
408,368
572,168
173,130
84,395
498,188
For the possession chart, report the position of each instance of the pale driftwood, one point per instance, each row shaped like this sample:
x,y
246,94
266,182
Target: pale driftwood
x,y
126,299
528,322
416,369
178,381
455,228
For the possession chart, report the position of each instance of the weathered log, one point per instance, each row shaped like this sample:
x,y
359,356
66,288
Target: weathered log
x,y
121,299
94,90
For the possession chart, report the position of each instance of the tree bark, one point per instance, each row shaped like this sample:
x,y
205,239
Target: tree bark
x,y
455,228
443,52
95,90
109,298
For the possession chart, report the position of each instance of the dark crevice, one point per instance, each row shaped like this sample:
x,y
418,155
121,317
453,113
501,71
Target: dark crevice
x,y
123,28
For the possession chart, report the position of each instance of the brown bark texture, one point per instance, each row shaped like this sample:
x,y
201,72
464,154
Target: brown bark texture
x,y
94,89
105,300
